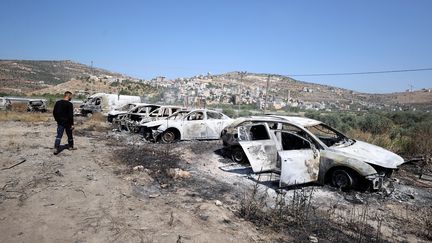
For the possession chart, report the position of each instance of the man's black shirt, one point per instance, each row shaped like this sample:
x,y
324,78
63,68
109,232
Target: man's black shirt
x,y
63,113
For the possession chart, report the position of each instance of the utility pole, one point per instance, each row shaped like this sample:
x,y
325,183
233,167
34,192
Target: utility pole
x,y
242,74
267,89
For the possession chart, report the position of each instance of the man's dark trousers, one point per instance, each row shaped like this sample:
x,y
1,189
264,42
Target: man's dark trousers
x,y
60,130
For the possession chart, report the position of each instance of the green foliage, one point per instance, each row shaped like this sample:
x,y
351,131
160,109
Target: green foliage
x,y
408,133
420,141
229,112
375,123
115,84
124,92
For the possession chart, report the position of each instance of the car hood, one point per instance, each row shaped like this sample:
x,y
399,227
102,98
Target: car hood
x,y
155,123
370,153
115,113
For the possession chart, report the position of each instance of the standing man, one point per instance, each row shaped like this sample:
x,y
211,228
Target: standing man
x,y
63,114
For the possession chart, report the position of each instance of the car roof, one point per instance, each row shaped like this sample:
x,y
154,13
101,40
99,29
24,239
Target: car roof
x,y
300,121
170,106
44,100
205,110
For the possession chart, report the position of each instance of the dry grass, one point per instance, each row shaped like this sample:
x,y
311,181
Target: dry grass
x,y
298,216
97,122
25,117
382,140
19,107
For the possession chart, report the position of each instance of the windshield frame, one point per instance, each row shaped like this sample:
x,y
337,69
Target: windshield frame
x,y
341,138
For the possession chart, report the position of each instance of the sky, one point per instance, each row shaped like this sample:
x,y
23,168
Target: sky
x,y
184,38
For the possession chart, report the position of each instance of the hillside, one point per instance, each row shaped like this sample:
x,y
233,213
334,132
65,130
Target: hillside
x,y
286,88
23,77
51,72
84,87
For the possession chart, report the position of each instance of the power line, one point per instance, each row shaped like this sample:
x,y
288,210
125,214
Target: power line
x,y
361,73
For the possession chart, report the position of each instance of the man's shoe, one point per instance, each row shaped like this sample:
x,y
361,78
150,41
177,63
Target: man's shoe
x,y
56,151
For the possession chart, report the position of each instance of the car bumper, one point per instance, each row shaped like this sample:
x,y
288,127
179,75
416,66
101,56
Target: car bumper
x,y
376,181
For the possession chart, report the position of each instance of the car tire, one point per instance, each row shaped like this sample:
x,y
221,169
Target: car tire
x,y
168,137
238,155
343,179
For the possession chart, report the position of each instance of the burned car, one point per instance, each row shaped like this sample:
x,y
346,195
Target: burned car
x,y
135,114
304,150
197,124
36,105
113,114
134,122
5,104
229,134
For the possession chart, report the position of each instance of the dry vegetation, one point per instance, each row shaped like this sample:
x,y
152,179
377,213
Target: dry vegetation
x,y
25,117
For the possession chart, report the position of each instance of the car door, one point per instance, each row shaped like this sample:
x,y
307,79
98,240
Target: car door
x,y
214,124
259,145
299,159
193,126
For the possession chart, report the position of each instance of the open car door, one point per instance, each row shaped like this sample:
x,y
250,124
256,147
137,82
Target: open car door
x,y
299,159
259,145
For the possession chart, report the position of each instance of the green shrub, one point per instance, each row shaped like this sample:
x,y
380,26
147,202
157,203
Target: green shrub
x,y
420,140
375,123
229,112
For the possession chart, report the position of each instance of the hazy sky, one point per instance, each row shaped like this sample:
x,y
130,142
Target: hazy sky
x,y
184,38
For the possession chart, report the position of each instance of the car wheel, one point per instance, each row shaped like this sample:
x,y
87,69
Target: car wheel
x,y
168,137
343,179
238,155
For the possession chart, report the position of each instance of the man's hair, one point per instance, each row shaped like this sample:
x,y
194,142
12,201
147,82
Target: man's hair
x,y
67,93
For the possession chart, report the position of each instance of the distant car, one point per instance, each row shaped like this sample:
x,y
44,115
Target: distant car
x,y
122,110
101,102
304,150
5,104
36,105
197,124
135,114
163,112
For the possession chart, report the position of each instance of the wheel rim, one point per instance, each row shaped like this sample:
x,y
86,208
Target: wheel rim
x,y
168,137
237,156
342,179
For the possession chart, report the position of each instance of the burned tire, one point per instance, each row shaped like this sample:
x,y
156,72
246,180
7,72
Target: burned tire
x,y
168,136
343,179
238,155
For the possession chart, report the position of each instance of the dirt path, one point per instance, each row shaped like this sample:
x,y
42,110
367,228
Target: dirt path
x,y
76,196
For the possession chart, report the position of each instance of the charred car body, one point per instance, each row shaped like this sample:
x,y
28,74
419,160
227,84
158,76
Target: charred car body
x,y
101,102
135,122
135,114
160,113
197,124
303,150
36,105
113,114
5,104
